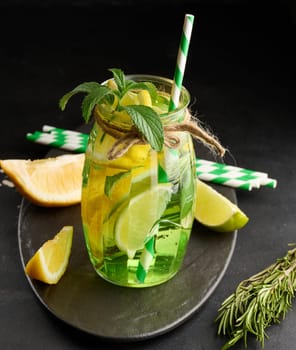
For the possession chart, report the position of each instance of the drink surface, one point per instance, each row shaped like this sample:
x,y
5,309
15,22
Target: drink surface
x,y
139,196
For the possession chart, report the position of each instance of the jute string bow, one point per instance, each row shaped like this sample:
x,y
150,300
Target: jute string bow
x,y
127,138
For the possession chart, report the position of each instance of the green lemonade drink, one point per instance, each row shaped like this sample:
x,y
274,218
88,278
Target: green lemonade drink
x,y
138,206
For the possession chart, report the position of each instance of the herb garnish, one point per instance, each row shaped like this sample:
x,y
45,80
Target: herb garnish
x,y
144,118
258,302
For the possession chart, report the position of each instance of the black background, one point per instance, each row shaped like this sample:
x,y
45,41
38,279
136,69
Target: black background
x,y
241,75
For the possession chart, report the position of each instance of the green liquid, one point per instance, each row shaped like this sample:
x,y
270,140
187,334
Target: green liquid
x,y
120,270
102,204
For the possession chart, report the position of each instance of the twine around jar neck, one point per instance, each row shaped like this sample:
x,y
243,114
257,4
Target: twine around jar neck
x,y
125,139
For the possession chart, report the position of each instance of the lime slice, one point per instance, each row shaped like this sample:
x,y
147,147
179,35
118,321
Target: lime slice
x,y
136,220
134,157
161,104
216,211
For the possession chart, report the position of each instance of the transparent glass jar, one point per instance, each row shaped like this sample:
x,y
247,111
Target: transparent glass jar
x,y
138,209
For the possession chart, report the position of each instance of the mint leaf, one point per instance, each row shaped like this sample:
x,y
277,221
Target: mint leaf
x,y
119,79
148,122
84,87
93,98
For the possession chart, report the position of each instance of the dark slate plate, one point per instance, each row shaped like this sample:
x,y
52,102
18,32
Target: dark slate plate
x,y
85,301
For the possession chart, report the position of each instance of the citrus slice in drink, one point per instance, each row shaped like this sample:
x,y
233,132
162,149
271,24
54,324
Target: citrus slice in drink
x,y
216,211
47,182
144,98
134,157
139,97
129,98
137,219
50,261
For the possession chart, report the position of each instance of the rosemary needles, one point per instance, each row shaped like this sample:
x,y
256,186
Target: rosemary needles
x,y
258,302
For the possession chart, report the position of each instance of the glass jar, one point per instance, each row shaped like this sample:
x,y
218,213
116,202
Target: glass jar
x,y
138,209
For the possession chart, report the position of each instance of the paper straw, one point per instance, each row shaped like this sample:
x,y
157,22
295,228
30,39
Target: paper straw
x,y
210,166
148,254
268,182
232,176
53,129
145,261
59,138
181,61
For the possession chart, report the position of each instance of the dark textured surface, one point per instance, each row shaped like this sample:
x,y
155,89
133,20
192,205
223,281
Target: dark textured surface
x,y
90,304
241,75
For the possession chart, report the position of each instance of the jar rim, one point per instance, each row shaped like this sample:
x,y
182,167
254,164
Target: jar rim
x,y
185,96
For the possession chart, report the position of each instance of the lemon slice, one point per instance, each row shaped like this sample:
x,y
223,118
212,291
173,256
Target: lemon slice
x,y
50,261
216,211
129,98
47,182
144,98
136,220
140,97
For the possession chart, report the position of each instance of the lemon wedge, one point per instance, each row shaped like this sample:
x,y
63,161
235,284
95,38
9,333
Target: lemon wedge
x,y
47,182
50,261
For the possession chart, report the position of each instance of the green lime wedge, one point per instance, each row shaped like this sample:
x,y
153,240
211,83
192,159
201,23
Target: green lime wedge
x,y
137,219
217,212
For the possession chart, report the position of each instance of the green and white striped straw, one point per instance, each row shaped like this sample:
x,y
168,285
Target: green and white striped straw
x,y
232,176
60,138
181,61
147,255
146,258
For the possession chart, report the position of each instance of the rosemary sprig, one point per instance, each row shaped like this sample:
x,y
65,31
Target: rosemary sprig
x,y
258,302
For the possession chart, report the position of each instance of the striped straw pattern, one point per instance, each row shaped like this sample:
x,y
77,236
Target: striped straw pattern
x,y
60,138
145,261
181,61
232,176
147,254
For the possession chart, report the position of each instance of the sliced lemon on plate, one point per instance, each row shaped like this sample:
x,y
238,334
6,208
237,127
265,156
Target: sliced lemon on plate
x,y
47,182
50,261
216,211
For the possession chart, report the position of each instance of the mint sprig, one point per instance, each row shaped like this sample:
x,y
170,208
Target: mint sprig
x,y
145,119
119,79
